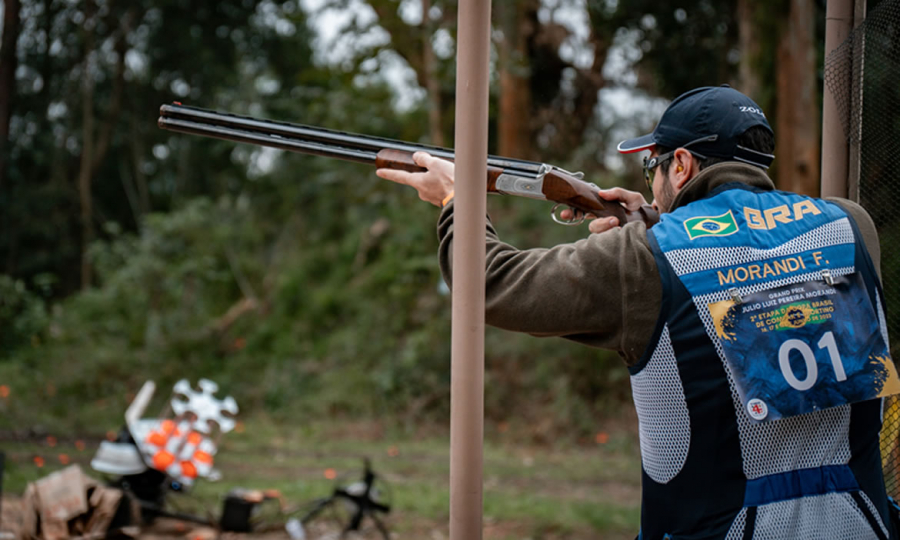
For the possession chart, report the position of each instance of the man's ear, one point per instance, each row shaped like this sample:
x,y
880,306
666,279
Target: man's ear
x,y
684,167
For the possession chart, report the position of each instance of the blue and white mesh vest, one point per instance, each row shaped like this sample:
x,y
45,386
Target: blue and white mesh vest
x,y
758,396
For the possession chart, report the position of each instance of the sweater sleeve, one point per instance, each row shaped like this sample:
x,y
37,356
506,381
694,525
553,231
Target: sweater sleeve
x,y
603,291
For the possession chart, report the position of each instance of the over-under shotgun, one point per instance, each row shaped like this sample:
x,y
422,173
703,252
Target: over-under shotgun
x,y
504,175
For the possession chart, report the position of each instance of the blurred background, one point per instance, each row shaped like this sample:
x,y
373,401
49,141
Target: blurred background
x,y
307,288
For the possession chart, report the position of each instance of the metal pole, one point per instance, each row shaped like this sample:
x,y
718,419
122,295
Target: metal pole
x,y
835,152
467,363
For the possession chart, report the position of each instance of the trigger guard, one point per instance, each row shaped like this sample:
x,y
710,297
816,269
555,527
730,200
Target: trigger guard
x,y
569,223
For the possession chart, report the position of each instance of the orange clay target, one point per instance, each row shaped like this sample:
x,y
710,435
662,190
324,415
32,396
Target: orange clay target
x,y
180,452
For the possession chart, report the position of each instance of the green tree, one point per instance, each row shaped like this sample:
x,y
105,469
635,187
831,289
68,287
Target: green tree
x,y
83,146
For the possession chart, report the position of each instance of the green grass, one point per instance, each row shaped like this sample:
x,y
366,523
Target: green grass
x,y
530,491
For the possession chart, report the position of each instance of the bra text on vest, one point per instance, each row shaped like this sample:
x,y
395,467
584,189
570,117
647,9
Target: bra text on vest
x,y
771,217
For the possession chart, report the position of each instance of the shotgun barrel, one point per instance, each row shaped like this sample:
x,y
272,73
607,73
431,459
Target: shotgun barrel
x,y
504,175
320,141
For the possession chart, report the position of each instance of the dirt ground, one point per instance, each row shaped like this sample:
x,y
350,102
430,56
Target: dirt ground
x,y
421,529
167,529
170,529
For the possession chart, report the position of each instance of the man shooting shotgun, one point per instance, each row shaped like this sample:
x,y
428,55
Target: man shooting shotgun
x,y
751,321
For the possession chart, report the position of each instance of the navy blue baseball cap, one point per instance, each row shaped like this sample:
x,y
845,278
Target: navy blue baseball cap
x,y
709,121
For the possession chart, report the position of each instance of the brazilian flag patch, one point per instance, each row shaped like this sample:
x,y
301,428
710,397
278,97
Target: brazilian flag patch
x,y
723,225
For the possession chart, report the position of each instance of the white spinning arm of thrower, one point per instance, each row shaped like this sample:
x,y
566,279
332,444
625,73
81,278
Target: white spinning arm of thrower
x,y
204,406
136,410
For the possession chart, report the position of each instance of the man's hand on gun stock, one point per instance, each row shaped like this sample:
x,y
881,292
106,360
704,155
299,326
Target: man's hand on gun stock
x,y
631,200
436,185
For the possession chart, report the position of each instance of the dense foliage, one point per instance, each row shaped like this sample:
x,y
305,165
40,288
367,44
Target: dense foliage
x,y
303,286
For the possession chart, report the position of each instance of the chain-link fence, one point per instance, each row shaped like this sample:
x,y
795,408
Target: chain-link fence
x,y
864,76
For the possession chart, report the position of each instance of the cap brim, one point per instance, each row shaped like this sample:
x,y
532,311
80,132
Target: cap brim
x,y
636,145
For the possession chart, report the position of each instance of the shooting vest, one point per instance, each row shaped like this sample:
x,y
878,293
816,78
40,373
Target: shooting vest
x,y
758,397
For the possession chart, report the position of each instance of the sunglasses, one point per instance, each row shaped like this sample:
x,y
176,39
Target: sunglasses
x,y
651,163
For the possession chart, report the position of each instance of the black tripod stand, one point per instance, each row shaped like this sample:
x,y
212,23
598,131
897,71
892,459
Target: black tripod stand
x,y
368,497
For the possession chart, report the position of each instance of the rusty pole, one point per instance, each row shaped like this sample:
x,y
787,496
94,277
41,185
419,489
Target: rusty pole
x,y
835,150
467,362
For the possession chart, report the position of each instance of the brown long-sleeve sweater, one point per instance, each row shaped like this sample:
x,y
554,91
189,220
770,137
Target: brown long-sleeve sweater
x,y
603,291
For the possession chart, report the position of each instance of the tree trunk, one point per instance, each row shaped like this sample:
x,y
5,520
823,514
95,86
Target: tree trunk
x,y
84,182
140,179
514,122
111,120
8,64
87,149
748,75
797,126
432,83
